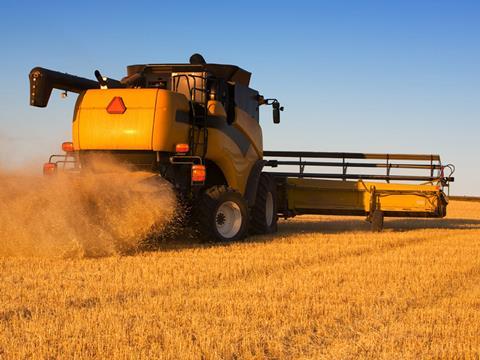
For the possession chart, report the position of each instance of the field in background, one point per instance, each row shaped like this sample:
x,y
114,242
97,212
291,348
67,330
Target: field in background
x,y
323,287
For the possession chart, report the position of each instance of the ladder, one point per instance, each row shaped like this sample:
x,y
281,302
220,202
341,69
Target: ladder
x,y
198,133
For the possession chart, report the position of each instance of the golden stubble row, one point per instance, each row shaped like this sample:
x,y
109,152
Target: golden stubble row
x,y
323,287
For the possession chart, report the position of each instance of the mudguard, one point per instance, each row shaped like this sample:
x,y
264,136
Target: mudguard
x,y
252,182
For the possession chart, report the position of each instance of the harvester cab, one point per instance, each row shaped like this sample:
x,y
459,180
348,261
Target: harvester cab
x,y
197,125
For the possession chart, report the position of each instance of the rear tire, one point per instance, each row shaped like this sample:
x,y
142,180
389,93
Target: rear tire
x,y
222,214
264,216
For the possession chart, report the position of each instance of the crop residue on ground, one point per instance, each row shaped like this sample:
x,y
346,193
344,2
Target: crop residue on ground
x,y
93,214
324,287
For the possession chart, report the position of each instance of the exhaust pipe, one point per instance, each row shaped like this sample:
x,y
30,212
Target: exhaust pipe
x,y
43,81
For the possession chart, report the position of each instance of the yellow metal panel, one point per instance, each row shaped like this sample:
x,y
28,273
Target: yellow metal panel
x,y
226,154
356,196
222,149
403,198
324,194
167,131
132,130
250,128
75,134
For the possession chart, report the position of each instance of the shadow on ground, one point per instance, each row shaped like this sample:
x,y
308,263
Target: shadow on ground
x,y
187,238
330,226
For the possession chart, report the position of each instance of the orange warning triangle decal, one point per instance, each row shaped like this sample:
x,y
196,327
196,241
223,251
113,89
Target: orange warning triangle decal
x,y
116,106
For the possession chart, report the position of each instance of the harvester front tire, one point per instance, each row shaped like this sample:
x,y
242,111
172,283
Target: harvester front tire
x,y
264,216
222,215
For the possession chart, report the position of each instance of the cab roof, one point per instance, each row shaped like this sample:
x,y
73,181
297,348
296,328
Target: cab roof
x,y
227,72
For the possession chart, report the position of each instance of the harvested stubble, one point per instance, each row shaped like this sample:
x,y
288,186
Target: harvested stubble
x,y
323,287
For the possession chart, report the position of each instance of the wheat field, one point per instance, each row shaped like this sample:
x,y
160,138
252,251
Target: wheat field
x,y
322,288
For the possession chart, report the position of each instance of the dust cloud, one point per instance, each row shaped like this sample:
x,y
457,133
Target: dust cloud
x,y
110,210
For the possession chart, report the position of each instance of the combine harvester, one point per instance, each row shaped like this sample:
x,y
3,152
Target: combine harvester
x,y
197,126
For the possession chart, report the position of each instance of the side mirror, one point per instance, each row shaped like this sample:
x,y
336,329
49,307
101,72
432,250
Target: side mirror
x,y
275,106
276,112
276,115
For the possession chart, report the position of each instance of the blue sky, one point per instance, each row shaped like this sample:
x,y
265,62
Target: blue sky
x,y
366,76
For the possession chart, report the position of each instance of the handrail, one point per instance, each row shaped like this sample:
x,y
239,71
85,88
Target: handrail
x,y
428,162
350,155
275,163
359,176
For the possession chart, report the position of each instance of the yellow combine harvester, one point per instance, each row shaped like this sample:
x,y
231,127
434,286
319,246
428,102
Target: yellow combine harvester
x,y
197,126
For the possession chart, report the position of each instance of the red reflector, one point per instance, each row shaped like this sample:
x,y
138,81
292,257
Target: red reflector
x,y
49,168
116,106
67,147
199,173
182,148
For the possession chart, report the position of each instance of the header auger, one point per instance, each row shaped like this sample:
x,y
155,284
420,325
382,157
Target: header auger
x,y
197,125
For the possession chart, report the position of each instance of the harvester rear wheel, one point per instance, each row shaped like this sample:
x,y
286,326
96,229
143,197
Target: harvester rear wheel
x,y
222,214
264,213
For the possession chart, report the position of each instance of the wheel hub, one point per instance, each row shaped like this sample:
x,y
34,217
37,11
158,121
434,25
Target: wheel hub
x,y
220,218
228,219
